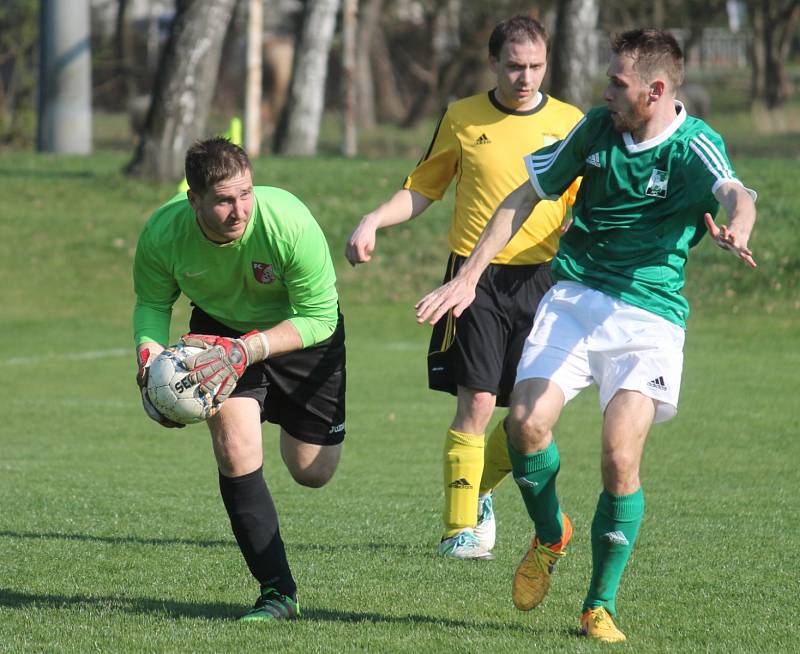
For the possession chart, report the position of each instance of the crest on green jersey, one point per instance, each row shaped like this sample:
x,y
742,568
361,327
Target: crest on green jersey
x,y
657,186
263,272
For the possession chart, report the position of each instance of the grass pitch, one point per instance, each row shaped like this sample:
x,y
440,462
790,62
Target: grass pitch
x,y
113,537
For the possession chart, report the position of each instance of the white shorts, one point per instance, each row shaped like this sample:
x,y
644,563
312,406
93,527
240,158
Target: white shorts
x,y
582,336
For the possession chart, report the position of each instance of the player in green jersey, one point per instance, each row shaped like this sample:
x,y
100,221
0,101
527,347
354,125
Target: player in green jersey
x,y
653,178
256,267
479,143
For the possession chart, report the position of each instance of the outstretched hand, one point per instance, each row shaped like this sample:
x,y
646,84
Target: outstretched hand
x,y
456,294
728,240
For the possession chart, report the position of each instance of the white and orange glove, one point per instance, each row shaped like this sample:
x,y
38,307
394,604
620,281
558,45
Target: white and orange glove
x,y
223,360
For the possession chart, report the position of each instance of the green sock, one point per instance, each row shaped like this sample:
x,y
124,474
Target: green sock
x,y
614,529
535,475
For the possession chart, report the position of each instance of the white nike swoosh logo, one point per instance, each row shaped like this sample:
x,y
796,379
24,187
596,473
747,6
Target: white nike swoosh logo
x,y
194,274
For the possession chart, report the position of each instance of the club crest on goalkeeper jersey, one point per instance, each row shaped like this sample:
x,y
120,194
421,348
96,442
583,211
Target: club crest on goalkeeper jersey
x,y
280,269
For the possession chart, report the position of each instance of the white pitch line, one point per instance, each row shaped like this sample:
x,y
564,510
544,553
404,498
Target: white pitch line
x,y
403,346
81,403
70,356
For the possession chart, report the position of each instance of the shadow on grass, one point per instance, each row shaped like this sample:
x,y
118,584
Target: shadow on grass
x,y
230,612
136,540
117,540
169,608
328,615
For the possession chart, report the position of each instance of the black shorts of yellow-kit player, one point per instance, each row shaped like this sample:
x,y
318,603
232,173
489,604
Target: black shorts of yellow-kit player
x,y
480,349
302,391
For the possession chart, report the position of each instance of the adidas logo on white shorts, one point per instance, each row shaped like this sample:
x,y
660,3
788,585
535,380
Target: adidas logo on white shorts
x,y
658,383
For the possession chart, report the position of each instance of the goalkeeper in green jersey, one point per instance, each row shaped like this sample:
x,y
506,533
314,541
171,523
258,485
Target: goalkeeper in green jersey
x,y
256,267
653,178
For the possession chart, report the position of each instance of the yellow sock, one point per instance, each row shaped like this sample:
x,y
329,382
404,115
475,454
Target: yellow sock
x,y
496,464
463,464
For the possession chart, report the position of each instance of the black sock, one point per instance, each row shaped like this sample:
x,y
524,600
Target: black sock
x,y
254,521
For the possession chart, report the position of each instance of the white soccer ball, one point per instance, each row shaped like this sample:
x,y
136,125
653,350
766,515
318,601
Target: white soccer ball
x,y
171,393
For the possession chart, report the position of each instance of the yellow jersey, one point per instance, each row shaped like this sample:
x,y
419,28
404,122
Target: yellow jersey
x,y
482,145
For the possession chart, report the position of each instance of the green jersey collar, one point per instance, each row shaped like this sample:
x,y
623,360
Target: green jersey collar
x,y
634,147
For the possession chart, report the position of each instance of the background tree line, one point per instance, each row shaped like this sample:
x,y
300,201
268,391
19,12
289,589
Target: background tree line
x,y
374,61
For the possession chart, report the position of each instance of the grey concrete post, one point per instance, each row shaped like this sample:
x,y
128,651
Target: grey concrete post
x,y
65,78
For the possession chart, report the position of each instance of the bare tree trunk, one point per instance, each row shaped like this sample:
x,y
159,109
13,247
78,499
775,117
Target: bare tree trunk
x,y
278,64
368,27
775,22
390,105
779,88
184,87
126,85
349,30
444,41
574,52
252,99
307,94
153,39
757,58
658,13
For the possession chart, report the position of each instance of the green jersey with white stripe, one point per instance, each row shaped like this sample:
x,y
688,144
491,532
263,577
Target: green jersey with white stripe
x,y
279,269
639,208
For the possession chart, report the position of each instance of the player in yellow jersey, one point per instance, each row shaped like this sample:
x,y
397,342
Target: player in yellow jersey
x,y
481,141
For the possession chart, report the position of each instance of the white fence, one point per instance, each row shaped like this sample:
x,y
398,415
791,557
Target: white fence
x,y
718,48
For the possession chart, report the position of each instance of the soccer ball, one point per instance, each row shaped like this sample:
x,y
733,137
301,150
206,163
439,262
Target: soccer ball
x,y
170,391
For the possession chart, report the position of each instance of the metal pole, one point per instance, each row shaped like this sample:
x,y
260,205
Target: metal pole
x,y
65,78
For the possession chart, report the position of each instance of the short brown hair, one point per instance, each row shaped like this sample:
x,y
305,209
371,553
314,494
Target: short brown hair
x,y
518,28
212,161
653,51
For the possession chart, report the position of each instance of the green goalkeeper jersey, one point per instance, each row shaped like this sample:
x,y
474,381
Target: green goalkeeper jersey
x,y
279,269
639,209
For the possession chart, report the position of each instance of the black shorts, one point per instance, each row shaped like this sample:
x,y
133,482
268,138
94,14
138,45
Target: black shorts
x,y
302,391
480,349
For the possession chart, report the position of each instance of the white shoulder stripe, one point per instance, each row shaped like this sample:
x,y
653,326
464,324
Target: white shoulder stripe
x,y
542,162
715,157
543,157
703,158
718,156
535,182
541,166
726,173
707,157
